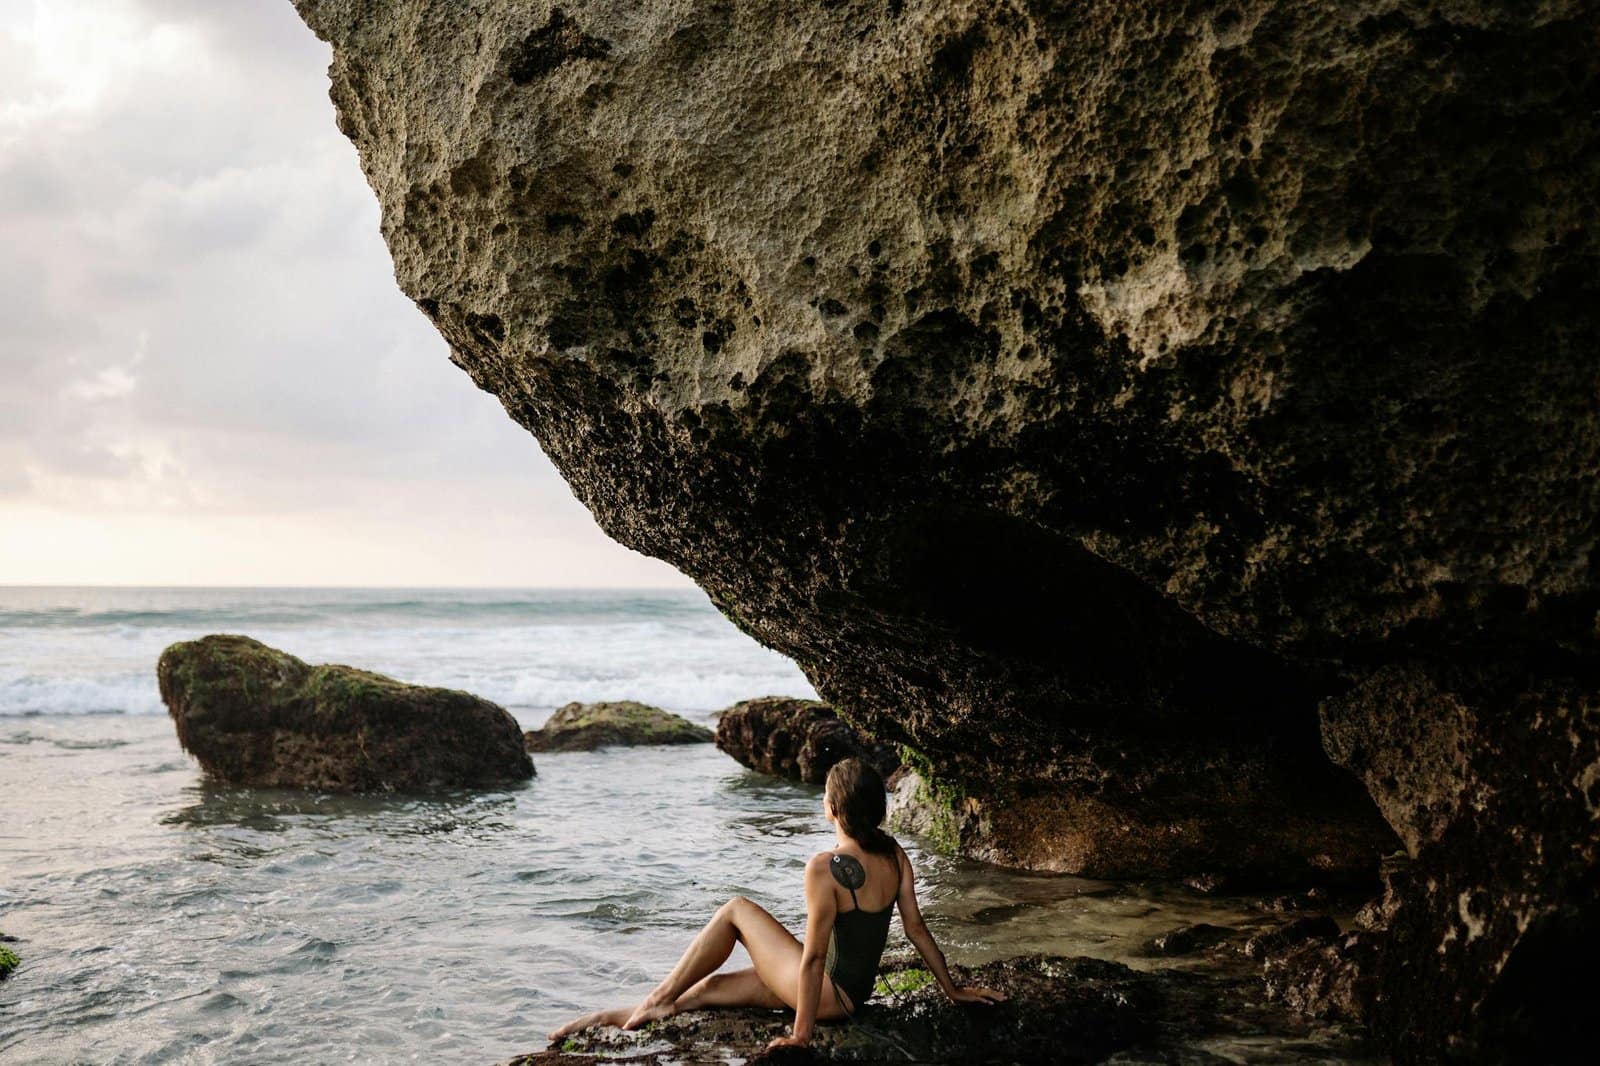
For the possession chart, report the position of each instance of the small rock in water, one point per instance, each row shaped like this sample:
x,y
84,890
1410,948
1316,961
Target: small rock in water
x,y
1208,884
1188,939
797,739
1296,932
1332,980
260,717
586,726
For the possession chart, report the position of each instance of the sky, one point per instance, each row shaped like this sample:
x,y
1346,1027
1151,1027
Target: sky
x,y
208,375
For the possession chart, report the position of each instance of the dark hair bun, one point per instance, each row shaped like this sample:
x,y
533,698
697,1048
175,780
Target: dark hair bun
x,y
855,792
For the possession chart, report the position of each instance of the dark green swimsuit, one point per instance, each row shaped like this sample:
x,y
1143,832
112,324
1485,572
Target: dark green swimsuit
x,y
856,944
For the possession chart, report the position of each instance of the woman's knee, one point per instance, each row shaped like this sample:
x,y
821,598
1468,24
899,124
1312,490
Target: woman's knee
x,y
707,984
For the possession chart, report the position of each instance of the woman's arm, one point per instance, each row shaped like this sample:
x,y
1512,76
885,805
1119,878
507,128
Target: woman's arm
x,y
917,932
821,909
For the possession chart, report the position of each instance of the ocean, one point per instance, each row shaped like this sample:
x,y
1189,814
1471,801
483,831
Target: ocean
x,y
163,919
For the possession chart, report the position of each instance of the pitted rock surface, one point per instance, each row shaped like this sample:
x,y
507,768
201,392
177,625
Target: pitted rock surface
x,y
1081,393
797,739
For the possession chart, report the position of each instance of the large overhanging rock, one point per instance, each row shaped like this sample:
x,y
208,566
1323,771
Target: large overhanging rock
x,y
1082,393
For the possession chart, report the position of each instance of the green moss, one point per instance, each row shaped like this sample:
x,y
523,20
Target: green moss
x,y
890,984
8,961
586,726
339,686
938,802
917,761
944,827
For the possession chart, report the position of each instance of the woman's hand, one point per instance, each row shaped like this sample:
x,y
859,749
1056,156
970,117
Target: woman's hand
x,y
789,1041
976,994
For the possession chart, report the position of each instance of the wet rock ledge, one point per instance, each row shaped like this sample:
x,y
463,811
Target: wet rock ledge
x,y
1061,1010
1171,422
260,717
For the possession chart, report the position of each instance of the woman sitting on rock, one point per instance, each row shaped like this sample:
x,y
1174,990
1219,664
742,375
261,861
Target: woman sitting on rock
x,y
850,893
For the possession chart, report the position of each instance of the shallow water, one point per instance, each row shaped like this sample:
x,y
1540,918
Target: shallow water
x,y
165,920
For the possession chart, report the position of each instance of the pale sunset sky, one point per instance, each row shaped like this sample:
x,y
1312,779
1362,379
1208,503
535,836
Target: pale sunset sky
x,y
207,373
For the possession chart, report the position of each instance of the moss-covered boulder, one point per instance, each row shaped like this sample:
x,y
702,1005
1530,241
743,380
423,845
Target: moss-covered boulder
x,y
586,726
8,960
797,739
257,716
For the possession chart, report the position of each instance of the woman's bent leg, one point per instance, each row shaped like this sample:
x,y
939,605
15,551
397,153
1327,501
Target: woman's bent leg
x,y
773,949
693,983
708,950
741,988
776,954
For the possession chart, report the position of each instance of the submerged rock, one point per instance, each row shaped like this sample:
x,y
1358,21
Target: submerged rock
x,y
586,726
1333,979
1060,1010
1188,939
1291,934
1082,395
260,717
797,739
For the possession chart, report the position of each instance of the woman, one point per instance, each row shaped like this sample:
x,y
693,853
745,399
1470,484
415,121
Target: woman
x,y
850,892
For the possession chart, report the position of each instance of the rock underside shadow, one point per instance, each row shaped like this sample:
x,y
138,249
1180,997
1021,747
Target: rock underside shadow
x,y
1122,408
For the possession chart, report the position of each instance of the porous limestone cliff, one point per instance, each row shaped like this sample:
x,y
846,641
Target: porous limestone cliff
x,y
1084,394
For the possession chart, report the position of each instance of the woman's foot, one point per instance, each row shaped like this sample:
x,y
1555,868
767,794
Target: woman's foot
x,y
588,1021
648,1011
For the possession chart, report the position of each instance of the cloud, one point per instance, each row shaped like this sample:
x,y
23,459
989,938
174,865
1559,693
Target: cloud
x,y
202,324
112,381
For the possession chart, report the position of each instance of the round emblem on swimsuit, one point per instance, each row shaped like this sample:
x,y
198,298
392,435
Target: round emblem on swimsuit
x,y
848,871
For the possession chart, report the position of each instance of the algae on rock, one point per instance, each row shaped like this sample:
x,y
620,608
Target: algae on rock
x,y
257,716
585,726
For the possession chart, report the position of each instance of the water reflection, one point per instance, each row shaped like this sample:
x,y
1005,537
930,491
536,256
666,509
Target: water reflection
x,y
472,815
